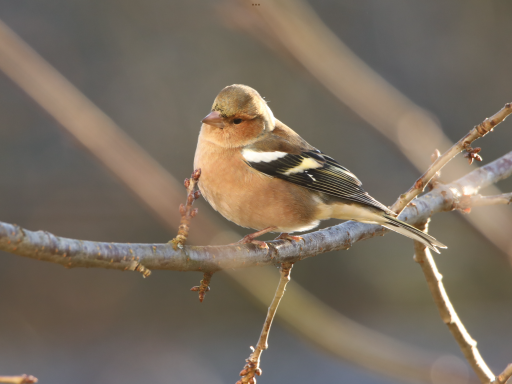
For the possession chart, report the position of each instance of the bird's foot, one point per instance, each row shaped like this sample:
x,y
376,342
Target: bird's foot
x,y
286,236
249,239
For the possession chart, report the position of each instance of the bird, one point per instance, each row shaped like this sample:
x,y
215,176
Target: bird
x,y
260,174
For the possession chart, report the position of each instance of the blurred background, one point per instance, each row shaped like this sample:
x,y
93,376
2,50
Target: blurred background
x,y
155,68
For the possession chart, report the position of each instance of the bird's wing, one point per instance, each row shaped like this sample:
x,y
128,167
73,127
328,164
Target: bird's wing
x,y
310,169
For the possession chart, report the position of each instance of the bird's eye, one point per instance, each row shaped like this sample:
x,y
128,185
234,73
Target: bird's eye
x,y
237,121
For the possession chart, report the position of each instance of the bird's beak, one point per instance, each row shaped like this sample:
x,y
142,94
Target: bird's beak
x,y
214,119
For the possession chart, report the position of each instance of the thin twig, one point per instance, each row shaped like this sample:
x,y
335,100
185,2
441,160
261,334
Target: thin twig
x,y
142,269
479,200
204,285
22,379
252,366
472,153
435,179
479,131
466,202
503,377
186,211
347,340
447,312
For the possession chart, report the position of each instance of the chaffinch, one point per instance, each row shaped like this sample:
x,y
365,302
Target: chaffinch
x,y
260,174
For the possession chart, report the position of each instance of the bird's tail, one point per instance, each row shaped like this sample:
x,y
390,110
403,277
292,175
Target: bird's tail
x,y
412,232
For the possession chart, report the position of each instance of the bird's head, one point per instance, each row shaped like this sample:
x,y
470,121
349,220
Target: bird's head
x,y
239,117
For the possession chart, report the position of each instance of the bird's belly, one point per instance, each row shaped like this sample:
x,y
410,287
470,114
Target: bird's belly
x,y
254,200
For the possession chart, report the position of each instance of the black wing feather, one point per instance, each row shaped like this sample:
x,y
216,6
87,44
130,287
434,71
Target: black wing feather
x,y
330,177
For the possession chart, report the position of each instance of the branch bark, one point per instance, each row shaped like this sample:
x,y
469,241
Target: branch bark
x,y
479,200
467,201
467,345
252,367
186,211
504,376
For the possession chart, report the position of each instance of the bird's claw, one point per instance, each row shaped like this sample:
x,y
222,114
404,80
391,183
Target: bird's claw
x,y
286,236
260,244
250,240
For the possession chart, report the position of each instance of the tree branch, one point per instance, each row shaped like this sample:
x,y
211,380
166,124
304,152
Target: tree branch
x,y
252,367
186,211
466,202
96,132
479,131
447,312
504,376
78,253
484,176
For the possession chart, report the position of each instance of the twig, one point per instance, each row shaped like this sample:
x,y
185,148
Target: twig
x,y
204,285
447,312
77,253
186,211
466,202
142,269
435,179
22,379
348,340
479,200
252,367
472,154
503,377
479,131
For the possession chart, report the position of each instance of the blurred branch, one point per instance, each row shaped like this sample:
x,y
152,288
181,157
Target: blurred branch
x,y
463,144
466,343
479,200
466,202
95,131
447,312
504,376
293,30
22,379
252,367
78,253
